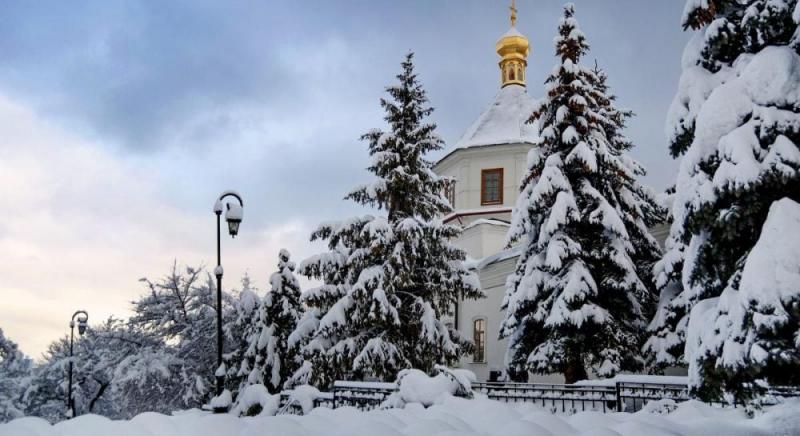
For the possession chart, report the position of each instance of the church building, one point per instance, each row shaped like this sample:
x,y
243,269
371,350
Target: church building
x,y
488,163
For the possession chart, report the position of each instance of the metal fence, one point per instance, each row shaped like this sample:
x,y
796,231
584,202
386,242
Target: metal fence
x,y
619,397
631,397
554,397
291,406
361,395
557,398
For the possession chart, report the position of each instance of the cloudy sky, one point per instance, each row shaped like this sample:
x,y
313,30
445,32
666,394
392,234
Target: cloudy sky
x,y
121,121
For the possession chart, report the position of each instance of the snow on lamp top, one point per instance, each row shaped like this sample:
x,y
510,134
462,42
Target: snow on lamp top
x,y
218,207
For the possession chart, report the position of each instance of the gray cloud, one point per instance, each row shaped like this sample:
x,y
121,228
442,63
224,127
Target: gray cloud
x,y
137,72
140,72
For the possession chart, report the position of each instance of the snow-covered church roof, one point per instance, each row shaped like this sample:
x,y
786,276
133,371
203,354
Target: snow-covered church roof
x,y
504,122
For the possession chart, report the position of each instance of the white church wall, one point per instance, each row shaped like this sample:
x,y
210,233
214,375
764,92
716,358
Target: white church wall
x,y
482,238
493,283
466,165
493,238
471,241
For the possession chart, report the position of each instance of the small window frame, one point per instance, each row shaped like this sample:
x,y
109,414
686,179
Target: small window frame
x,y
450,193
484,200
479,356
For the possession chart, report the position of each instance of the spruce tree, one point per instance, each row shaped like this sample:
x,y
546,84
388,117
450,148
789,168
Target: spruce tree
x,y
637,202
323,364
579,298
389,279
735,120
269,359
239,331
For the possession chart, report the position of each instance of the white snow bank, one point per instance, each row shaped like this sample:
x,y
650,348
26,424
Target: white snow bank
x,y
256,395
781,420
221,401
304,396
364,385
453,416
636,378
414,386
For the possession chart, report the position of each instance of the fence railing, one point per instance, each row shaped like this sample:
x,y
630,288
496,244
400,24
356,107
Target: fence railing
x,y
554,397
361,395
291,406
633,396
616,397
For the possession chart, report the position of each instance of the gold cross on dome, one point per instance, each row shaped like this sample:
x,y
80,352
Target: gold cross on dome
x,y
513,13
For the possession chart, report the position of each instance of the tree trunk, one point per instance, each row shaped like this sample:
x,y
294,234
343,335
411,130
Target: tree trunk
x,y
518,376
574,371
97,396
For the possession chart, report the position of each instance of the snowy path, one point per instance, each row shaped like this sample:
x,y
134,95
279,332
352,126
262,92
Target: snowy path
x,y
453,417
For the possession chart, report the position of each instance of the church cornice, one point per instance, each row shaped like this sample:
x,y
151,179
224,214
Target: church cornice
x,y
477,149
458,214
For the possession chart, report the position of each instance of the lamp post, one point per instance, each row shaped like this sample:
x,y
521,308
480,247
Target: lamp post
x,y
82,321
233,215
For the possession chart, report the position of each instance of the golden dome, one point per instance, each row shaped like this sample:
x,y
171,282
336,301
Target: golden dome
x,y
513,48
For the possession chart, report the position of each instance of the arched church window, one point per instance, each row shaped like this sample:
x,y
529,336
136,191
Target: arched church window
x,y
479,338
511,75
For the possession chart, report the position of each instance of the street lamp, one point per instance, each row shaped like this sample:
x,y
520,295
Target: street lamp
x,y
233,215
82,322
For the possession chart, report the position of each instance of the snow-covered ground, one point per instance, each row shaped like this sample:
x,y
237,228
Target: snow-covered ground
x,y
452,416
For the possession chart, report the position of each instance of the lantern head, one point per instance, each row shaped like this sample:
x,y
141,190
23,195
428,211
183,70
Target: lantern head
x,y
234,217
82,323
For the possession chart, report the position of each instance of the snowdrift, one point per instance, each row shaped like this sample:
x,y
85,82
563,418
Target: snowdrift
x,y
452,416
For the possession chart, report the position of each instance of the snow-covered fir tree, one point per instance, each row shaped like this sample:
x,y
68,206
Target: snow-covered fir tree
x,y
637,203
269,358
667,330
726,34
308,358
15,373
389,279
580,297
735,120
238,331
